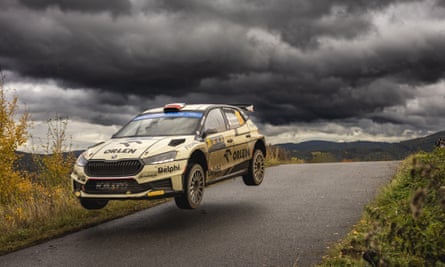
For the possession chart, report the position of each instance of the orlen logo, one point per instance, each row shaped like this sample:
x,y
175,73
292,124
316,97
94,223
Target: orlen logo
x,y
120,150
123,150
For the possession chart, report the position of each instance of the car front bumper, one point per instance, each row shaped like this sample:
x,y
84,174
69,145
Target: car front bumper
x,y
153,181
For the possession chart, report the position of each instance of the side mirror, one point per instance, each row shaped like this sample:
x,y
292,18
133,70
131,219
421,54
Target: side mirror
x,y
209,132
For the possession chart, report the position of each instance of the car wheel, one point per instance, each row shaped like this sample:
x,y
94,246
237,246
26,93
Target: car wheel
x,y
194,183
255,173
93,204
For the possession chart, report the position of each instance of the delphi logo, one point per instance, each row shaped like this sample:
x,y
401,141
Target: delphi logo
x,y
169,169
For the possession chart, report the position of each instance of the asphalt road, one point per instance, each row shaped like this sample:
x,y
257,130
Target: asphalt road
x,y
289,220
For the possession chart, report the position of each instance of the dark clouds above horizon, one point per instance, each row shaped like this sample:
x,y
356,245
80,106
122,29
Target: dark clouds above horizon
x,y
298,61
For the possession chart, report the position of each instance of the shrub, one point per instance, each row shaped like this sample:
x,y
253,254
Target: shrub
x,y
13,133
54,167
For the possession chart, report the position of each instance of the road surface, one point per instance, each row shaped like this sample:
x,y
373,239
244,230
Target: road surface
x,y
289,220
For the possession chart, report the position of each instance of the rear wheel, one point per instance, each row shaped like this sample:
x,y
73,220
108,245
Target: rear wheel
x,y
194,183
255,174
93,204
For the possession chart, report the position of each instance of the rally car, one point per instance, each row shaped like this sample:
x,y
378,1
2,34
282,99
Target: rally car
x,y
172,151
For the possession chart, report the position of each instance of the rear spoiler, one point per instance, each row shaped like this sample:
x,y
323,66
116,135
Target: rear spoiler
x,y
247,107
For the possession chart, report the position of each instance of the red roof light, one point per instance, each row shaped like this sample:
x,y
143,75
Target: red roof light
x,y
174,107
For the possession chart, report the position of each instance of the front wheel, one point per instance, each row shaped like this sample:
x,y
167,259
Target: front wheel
x,y
255,174
194,183
93,204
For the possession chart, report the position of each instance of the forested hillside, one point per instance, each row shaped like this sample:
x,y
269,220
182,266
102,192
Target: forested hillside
x,y
324,151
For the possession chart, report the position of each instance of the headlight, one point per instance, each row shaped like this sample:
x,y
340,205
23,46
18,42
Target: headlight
x,y
81,160
161,158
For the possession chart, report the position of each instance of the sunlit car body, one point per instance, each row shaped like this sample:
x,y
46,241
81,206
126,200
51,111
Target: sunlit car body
x,y
173,151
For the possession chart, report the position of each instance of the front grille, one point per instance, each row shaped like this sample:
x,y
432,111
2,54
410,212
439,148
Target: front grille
x,y
115,186
119,168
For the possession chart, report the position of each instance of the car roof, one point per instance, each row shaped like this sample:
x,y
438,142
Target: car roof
x,y
190,107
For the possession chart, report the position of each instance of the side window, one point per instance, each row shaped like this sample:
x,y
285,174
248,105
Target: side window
x,y
215,120
234,118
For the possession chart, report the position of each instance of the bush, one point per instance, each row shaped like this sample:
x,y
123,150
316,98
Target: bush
x,y
13,133
54,167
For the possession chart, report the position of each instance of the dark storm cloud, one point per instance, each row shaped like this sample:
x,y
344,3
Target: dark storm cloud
x,y
296,60
113,6
299,21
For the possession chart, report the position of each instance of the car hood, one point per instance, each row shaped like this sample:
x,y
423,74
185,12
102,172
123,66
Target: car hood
x,y
130,148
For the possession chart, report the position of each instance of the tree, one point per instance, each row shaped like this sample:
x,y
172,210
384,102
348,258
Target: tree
x,y
13,133
55,166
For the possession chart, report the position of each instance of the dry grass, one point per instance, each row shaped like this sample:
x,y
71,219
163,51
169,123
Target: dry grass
x,y
44,213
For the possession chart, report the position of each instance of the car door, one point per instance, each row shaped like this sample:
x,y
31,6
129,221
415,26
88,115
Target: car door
x,y
240,138
218,138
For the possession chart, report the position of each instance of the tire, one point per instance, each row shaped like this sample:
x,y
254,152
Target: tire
x,y
194,183
255,174
93,204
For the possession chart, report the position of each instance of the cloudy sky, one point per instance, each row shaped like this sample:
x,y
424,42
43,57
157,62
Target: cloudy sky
x,y
337,70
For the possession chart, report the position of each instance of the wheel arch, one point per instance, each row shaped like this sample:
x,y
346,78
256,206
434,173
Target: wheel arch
x,y
199,157
260,144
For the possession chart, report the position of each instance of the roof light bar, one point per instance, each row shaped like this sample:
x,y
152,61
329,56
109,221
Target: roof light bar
x,y
174,107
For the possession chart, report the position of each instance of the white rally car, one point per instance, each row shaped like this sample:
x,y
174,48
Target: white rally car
x,y
173,151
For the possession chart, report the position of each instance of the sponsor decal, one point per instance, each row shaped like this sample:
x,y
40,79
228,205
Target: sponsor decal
x,y
111,186
216,142
237,154
241,154
169,169
149,174
127,144
227,155
125,150
120,151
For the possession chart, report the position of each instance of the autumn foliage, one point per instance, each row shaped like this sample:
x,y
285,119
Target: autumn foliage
x,y
30,198
13,133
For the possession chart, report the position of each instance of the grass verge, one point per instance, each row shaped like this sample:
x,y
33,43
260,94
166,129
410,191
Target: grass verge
x,y
60,221
405,224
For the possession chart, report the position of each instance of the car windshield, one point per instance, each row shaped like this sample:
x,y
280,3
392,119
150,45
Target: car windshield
x,y
161,124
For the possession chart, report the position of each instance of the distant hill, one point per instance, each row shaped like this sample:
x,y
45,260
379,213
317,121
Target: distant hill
x,y
324,151
27,163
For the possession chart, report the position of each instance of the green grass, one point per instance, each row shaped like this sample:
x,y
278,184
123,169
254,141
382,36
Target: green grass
x,y
405,224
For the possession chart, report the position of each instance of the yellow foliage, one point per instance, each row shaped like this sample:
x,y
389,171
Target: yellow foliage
x,y
13,133
29,199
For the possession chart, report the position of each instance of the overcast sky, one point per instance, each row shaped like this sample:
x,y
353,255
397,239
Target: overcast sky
x,y
339,70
